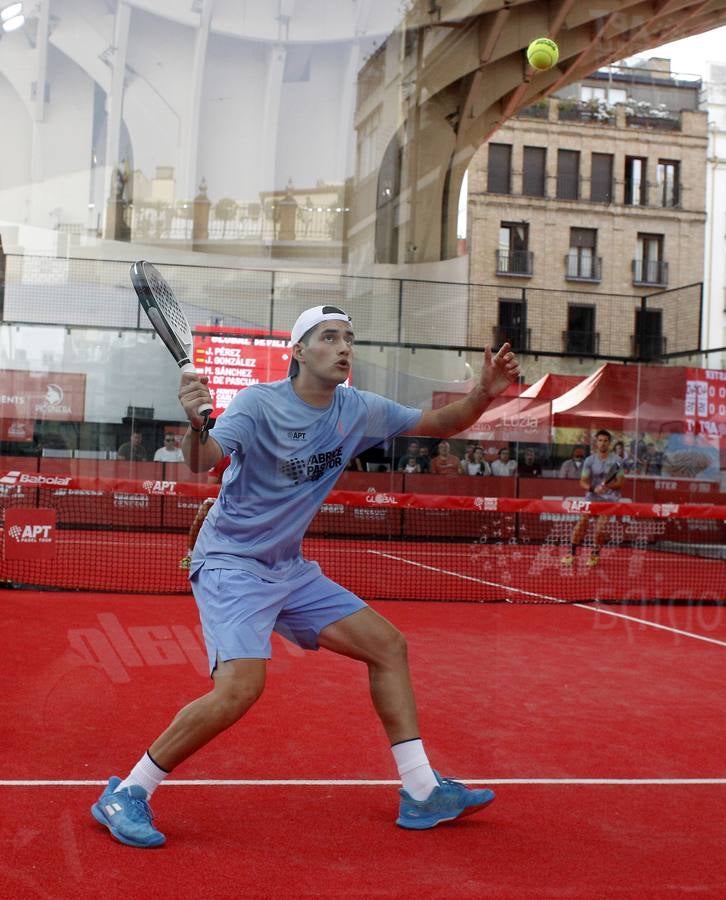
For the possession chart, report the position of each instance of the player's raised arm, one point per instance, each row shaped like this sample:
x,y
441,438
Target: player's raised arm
x,y
497,373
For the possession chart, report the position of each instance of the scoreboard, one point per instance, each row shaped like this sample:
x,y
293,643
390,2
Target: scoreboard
x,y
235,358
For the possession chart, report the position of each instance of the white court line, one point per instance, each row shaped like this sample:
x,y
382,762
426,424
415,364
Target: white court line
x,y
360,782
647,622
504,587
596,609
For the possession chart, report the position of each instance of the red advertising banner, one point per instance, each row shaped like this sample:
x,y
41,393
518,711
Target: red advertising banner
x,y
235,358
705,402
30,534
54,396
18,430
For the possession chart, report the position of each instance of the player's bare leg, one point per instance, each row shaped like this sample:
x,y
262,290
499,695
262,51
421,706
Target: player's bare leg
x,y
426,799
578,535
368,637
238,683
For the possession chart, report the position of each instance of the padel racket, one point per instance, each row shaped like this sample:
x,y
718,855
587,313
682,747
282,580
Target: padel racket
x,y
611,474
170,323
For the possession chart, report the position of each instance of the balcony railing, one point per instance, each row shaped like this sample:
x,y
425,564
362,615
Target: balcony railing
x,y
516,335
648,347
583,268
583,343
652,271
514,262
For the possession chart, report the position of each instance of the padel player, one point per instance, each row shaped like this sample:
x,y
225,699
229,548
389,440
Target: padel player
x,y
289,441
214,476
602,477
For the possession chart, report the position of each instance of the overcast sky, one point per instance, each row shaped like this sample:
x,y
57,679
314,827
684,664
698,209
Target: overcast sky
x,y
692,55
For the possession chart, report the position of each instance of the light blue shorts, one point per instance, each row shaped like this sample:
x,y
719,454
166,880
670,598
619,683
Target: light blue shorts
x,y
239,611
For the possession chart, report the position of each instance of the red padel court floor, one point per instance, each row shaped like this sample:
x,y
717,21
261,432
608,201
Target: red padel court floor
x,y
600,727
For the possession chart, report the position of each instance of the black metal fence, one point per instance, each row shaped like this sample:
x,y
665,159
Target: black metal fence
x,y
387,311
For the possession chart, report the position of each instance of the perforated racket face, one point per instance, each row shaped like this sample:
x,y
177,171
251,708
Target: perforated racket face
x,y
168,304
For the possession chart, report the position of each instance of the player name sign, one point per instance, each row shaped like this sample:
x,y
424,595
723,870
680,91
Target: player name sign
x,y
234,359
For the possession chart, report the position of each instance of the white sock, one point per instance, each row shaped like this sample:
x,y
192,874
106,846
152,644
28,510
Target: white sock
x,y
146,774
417,776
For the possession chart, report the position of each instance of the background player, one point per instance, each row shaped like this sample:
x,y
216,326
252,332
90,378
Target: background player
x,y
602,477
214,477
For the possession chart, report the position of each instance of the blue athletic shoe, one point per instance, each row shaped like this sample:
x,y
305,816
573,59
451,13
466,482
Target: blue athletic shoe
x,y
127,815
450,800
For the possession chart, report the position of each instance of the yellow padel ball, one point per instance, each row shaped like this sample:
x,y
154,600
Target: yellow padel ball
x,y
542,53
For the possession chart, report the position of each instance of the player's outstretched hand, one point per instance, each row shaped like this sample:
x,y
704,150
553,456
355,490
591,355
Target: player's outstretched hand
x,y
193,392
499,371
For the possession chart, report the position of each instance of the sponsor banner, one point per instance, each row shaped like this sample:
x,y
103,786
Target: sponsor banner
x,y
30,534
138,493
16,430
53,396
506,419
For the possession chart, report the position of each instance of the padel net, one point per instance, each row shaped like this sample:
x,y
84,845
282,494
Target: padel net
x,y
104,534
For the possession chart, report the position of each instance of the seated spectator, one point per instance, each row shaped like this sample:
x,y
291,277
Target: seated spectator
x,y
528,466
170,452
444,463
503,465
477,465
133,449
412,467
619,450
572,467
412,451
423,459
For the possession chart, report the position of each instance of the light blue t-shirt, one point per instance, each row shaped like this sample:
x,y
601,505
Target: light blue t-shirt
x,y
285,458
598,469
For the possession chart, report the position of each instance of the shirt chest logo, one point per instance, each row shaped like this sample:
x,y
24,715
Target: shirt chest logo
x,y
296,435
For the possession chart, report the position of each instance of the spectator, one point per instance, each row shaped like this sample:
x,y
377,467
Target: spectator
x,y
423,459
503,465
444,463
529,467
133,449
477,465
170,452
412,451
572,467
619,450
412,467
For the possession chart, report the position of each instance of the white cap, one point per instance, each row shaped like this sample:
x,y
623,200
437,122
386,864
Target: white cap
x,y
309,319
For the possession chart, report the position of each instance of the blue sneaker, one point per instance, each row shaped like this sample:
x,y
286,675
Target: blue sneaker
x,y
127,815
450,800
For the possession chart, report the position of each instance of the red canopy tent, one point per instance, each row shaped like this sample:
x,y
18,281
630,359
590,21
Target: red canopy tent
x,y
625,398
550,386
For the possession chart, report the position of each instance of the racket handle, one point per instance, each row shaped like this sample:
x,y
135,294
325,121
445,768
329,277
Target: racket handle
x,y
206,408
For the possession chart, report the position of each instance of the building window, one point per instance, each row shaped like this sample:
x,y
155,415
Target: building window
x,y
609,94
513,256
568,174
368,143
601,179
511,325
581,263
649,266
581,337
668,182
649,342
636,187
533,171
499,174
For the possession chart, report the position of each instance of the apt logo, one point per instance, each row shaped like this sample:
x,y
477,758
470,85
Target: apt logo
x,y
30,534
